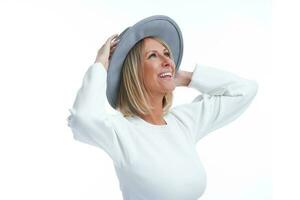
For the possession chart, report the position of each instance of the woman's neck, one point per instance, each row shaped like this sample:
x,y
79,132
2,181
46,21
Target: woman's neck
x,y
156,115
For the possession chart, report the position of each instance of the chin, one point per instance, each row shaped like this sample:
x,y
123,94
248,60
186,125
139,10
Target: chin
x,y
169,90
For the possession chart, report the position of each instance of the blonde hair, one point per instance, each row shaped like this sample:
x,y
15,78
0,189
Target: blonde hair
x,y
133,97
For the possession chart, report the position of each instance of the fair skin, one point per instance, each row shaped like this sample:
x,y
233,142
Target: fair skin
x,y
155,60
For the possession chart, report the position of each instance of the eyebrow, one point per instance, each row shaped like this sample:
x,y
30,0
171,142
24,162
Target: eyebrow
x,y
154,51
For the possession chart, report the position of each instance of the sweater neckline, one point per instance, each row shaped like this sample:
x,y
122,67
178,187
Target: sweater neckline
x,y
142,122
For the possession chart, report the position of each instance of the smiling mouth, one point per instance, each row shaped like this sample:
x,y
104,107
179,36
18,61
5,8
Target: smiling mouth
x,y
165,75
166,78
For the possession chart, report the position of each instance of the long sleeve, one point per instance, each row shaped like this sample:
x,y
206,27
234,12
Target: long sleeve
x,y
88,119
225,96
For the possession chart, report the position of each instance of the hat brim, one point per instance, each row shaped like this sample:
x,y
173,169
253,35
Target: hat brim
x,y
160,26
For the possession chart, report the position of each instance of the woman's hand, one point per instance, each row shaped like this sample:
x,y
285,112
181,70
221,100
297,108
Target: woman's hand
x,y
105,52
183,78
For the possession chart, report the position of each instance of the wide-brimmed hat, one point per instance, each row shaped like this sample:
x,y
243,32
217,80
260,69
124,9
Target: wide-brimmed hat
x,y
158,25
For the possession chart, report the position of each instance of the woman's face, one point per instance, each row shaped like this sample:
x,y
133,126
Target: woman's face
x,y
159,68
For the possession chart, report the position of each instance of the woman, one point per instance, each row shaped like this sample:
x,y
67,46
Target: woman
x,y
153,147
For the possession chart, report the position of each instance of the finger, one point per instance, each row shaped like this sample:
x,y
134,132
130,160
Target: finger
x,y
115,35
112,49
109,42
112,37
114,44
115,40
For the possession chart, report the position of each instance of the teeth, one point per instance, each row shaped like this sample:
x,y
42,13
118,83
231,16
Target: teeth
x,y
165,74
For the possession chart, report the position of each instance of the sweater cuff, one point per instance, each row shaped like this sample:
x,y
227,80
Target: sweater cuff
x,y
206,78
198,74
100,65
98,69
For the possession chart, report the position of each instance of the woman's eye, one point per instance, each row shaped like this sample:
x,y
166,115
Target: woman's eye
x,y
152,55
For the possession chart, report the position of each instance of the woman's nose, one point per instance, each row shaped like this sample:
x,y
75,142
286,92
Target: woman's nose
x,y
166,61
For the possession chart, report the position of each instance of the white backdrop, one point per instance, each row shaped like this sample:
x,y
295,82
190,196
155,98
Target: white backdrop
x,y
46,47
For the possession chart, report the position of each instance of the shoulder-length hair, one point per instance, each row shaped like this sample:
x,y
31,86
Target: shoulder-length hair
x,y
133,97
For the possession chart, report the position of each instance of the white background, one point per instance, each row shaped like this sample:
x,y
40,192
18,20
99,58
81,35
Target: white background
x,y
46,47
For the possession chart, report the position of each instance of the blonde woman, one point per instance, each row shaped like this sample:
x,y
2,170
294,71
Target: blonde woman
x,y
153,146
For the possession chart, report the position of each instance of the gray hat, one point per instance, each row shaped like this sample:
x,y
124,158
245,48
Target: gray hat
x,y
158,25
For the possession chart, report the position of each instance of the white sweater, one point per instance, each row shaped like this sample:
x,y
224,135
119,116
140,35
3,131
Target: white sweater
x,y
159,162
